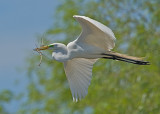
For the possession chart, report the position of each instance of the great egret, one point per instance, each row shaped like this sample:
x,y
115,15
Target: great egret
x,y
95,41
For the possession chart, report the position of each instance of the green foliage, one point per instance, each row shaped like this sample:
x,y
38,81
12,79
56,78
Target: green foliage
x,y
5,97
116,87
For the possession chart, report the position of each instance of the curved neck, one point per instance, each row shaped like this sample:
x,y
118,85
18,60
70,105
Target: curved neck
x,y
60,53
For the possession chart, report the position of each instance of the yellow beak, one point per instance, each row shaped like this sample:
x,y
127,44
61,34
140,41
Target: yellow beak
x,y
41,48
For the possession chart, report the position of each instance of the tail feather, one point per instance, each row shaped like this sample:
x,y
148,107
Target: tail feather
x,y
125,58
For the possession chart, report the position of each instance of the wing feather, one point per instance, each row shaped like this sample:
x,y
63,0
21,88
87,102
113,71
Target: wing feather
x,y
95,33
79,74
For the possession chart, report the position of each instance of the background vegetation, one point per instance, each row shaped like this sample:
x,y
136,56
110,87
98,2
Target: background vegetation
x,y
116,87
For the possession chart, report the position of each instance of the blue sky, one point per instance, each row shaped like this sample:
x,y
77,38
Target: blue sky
x,y
20,22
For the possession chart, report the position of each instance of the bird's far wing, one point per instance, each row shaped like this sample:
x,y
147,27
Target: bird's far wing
x,y
95,33
79,74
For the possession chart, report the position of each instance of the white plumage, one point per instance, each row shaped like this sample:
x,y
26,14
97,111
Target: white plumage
x,y
95,34
95,41
79,74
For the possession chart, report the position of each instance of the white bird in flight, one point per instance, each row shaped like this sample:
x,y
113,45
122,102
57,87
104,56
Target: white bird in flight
x,y
95,41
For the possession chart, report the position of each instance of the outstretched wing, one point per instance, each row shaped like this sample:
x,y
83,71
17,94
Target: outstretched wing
x,y
79,74
95,33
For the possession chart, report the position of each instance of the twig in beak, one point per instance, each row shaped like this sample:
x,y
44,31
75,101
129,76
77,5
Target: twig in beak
x,y
42,43
40,53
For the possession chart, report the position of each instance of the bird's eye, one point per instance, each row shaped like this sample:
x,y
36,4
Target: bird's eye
x,y
55,45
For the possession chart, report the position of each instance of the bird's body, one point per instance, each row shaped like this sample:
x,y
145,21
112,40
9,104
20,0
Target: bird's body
x,y
74,50
95,41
